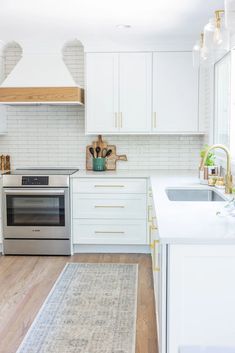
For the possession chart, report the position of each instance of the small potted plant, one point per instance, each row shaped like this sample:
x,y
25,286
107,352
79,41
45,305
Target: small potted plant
x,y
210,168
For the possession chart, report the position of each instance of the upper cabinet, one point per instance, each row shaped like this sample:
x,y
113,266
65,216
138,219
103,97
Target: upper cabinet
x,y
135,88
175,92
128,93
118,92
101,93
222,100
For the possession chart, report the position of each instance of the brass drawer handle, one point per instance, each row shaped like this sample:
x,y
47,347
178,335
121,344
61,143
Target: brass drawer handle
x,y
109,186
120,120
154,120
155,267
107,232
108,206
151,227
149,210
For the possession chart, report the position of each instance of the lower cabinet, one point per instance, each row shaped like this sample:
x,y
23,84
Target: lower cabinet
x,y
108,231
200,296
158,267
109,211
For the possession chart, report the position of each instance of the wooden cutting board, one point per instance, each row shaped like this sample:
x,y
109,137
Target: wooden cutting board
x,y
111,160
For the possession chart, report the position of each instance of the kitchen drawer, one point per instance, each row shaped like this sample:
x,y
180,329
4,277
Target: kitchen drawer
x,y
109,186
109,206
109,232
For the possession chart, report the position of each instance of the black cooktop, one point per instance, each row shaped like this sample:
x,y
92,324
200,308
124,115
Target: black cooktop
x,y
42,171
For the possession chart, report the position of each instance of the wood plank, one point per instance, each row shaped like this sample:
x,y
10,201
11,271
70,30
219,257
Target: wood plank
x,y
41,94
25,282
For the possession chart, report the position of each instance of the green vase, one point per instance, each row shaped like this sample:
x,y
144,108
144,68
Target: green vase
x,y
99,164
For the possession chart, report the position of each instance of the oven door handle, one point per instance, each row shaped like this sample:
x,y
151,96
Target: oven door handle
x,y
34,192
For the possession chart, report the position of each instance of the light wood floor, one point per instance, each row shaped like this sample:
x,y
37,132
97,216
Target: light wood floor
x,y
25,282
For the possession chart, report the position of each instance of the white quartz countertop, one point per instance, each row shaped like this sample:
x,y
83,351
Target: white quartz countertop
x,y
189,222
180,222
114,174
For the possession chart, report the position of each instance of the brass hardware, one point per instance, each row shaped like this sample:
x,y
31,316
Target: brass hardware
x,y
228,176
150,236
155,267
154,120
149,209
104,206
218,17
201,40
116,120
120,118
107,232
151,227
109,186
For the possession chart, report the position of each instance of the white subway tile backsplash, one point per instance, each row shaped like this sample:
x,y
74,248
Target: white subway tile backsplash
x,y
54,136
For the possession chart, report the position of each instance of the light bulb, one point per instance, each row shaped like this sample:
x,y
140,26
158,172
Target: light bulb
x,y
218,36
196,54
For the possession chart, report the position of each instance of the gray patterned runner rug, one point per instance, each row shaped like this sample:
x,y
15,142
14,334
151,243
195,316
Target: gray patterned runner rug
x,y
91,309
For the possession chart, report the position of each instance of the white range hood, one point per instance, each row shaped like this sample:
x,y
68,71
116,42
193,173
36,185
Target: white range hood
x,y
40,77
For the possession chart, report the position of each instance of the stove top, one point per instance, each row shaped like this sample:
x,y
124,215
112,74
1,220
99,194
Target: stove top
x,y
41,177
41,171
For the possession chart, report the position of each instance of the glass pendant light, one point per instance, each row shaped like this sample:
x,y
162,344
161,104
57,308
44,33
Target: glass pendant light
x,y
221,34
208,41
203,51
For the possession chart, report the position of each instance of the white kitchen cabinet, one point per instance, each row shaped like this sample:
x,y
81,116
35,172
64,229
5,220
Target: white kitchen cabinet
x,y
201,292
110,231
158,269
109,211
109,186
175,93
101,92
128,206
135,87
223,101
118,92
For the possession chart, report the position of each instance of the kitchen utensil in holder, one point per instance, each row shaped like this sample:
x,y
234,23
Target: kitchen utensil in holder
x,y
99,164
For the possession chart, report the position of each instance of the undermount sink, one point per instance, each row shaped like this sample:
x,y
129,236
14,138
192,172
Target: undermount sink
x,y
180,194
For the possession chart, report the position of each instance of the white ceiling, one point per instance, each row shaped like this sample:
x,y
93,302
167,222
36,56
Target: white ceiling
x,y
151,20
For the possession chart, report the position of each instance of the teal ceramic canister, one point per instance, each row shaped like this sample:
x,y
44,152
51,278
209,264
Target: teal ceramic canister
x,y
99,164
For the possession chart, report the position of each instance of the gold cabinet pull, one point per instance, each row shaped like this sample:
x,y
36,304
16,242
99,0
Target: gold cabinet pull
x,y
150,236
116,120
107,232
154,245
108,206
109,186
149,217
120,118
151,227
154,120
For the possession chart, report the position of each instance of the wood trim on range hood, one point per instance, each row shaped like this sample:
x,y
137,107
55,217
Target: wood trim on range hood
x,y
46,95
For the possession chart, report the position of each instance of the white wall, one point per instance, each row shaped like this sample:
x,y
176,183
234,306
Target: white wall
x,y
54,135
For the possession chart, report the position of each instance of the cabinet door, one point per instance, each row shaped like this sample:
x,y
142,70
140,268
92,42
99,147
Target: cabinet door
x,y
101,92
222,100
135,92
175,93
201,286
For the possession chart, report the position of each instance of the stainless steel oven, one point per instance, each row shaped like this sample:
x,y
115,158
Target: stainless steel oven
x,y
36,214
